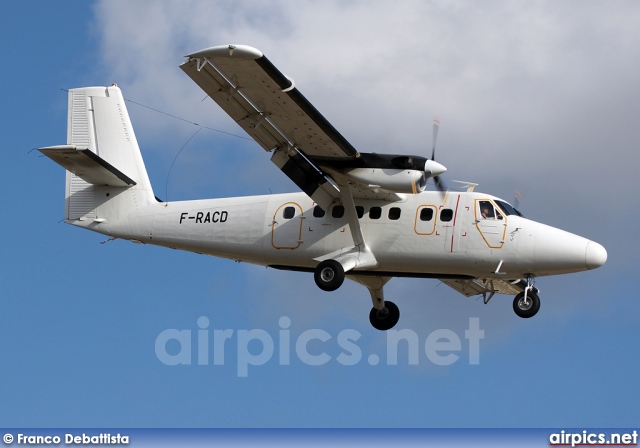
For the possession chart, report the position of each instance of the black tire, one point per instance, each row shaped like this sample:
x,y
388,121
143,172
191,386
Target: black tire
x,y
526,310
386,318
329,275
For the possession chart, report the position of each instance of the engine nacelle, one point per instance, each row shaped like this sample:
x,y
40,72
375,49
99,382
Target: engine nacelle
x,y
390,179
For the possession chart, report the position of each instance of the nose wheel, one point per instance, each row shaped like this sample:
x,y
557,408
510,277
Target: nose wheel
x,y
526,306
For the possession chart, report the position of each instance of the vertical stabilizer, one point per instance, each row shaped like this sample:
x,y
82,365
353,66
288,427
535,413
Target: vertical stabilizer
x,y
98,121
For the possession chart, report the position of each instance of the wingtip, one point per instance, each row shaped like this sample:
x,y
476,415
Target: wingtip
x,y
228,51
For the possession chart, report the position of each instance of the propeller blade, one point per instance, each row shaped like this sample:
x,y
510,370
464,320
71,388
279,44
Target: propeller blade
x,y
433,168
436,126
516,200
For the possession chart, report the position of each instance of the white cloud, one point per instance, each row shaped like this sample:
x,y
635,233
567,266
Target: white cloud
x,y
539,96
382,71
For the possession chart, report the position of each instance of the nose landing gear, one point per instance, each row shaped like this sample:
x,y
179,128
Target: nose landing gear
x,y
527,303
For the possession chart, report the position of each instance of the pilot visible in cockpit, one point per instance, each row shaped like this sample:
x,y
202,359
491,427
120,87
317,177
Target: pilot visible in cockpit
x,y
486,212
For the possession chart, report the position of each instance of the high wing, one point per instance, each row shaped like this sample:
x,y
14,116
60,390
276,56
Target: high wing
x,y
306,147
266,104
251,90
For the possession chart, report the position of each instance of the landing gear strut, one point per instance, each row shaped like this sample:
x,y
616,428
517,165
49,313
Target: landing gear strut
x,y
329,275
386,318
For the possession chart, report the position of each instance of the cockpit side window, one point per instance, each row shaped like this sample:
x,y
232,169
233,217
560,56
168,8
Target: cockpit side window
x,y
486,210
508,209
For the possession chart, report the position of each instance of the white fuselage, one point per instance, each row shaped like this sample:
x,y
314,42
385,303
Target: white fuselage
x,y
450,237
377,224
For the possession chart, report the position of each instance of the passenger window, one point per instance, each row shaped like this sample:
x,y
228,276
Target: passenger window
x,y
360,211
375,213
394,213
318,212
426,214
338,211
446,215
288,212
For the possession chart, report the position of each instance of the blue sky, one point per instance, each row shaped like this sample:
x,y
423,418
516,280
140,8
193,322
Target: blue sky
x,y
539,97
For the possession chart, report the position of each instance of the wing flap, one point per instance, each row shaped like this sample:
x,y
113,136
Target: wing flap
x,y
306,176
87,165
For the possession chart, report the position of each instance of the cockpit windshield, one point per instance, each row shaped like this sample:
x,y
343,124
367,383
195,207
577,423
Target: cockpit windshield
x,y
508,209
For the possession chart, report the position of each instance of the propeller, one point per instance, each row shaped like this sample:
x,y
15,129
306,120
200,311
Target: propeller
x,y
436,168
516,200
436,126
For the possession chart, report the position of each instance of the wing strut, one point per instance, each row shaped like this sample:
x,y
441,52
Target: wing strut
x,y
359,256
352,215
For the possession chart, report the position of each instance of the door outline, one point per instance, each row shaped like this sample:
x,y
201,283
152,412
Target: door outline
x,y
282,239
490,224
417,222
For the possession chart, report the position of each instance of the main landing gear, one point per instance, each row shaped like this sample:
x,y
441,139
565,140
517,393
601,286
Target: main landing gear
x,y
386,318
329,276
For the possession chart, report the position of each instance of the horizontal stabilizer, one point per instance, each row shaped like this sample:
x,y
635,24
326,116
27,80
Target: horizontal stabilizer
x,y
87,165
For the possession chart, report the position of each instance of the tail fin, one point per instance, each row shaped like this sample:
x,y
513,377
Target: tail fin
x,y
101,151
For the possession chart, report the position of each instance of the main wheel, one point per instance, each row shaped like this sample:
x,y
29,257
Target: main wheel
x,y
529,308
329,275
386,318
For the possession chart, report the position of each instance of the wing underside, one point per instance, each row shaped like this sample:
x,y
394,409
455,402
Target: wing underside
x,y
266,104
473,287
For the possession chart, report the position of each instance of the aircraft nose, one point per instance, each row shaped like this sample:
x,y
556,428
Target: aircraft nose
x,y
595,255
